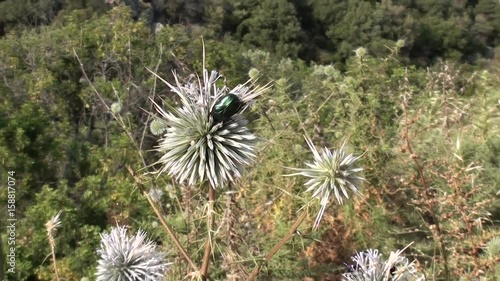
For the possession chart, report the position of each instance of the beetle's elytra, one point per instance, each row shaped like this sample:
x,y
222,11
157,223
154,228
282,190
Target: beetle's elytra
x,y
225,107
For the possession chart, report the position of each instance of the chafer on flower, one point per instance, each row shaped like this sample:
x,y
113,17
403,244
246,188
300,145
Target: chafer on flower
x,y
207,138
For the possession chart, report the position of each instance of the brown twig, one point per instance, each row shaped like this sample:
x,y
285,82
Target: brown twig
x,y
54,262
162,220
425,185
278,246
51,227
208,245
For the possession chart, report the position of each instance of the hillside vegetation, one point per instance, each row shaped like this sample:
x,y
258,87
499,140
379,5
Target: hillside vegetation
x,y
411,86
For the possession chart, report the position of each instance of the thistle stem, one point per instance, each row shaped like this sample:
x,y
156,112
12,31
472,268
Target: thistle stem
x,y
208,243
162,220
54,262
278,246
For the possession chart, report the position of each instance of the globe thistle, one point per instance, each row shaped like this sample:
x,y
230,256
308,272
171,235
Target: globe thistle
x,y
253,73
369,266
158,126
400,43
52,225
329,70
360,52
331,173
195,147
156,194
124,258
492,248
116,107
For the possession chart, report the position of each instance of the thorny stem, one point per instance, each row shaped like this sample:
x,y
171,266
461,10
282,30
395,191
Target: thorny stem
x,y
228,221
208,243
51,225
54,262
278,246
162,220
425,185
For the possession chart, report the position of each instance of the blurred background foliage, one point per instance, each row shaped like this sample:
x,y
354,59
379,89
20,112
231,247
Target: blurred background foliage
x,y
414,85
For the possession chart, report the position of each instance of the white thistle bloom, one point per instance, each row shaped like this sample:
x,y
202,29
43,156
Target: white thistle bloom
x,y
369,266
53,224
158,126
124,258
329,70
331,173
156,194
195,147
360,52
400,43
253,73
116,107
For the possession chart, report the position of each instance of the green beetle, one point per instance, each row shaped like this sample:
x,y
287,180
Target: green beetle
x,y
225,107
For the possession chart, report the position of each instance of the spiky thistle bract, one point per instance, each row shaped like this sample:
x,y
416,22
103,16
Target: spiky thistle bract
x,y
194,146
332,173
125,258
370,266
53,224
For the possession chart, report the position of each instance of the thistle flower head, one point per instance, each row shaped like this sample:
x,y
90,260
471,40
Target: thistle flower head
x,y
124,258
156,194
400,43
158,126
52,225
331,173
492,248
196,147
360,52
253,73
329,70
369,266
116,107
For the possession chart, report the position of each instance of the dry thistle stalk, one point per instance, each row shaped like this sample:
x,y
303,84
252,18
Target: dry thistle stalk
x,y
52,225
